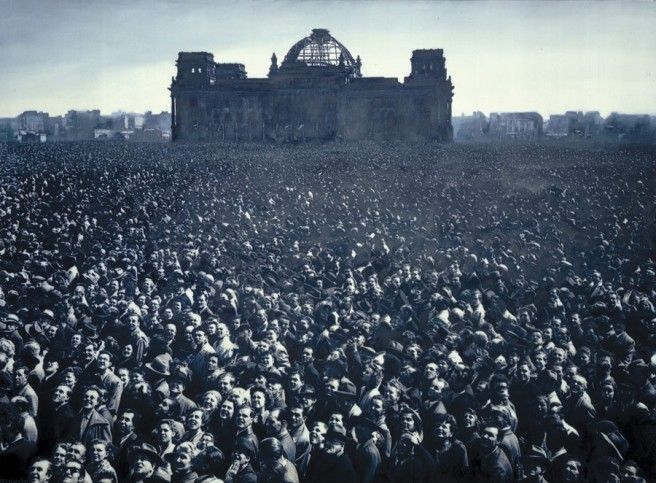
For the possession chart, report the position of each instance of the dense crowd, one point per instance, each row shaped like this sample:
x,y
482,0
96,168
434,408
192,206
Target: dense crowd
x,y
350,313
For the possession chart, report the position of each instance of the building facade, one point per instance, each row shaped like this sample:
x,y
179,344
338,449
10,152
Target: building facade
x,y
516,125
317,92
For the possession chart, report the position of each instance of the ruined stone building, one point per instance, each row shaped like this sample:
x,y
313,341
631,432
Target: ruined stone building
x,y
515,125
317,92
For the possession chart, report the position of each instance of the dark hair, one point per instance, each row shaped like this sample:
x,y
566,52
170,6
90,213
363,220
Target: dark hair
x,y
209,461
270,449
136,420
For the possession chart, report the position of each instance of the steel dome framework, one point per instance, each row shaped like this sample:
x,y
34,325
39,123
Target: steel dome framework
x,y
320,49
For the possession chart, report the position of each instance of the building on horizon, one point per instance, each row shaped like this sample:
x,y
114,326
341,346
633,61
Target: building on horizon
x,y
317,92
470,128
516,125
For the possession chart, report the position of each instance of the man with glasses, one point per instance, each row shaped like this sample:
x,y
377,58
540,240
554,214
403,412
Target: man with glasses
x,y
73,472
90,424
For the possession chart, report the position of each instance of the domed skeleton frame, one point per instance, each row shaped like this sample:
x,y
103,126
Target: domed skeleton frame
x,y
321,49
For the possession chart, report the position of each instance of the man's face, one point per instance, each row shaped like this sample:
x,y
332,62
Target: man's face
x,y
469,420
226,385
258,400
240,458
318,434
212,363
89,353
501,390
536,338
273,423
142,465
69,379
607,392
489,437
20,378
295,382
126,423
336,420
334,446
60,395
407,423
77,452
391,395
244,418
124,376
133,323
524,318
51,332
227,410
104,362
296,418
577,386
430,372
195,421
571,471
73,472
148,285
308,355
524,373
154,306
376,408
267,360
165,433
39,472
176,388
210,402
59,456
221,331
164,407
434,391
199,338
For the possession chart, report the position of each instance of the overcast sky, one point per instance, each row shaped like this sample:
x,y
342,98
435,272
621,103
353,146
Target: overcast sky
x,y
550,56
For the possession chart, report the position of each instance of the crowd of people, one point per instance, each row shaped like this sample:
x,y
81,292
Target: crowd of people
x,y
353,313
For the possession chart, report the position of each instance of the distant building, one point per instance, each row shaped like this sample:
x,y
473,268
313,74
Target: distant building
x,y
33,122
80,125
516,125
161,121
629,127
7,129
575,124
557,126
470,128
317,92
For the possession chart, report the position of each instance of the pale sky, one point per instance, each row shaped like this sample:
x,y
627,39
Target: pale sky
x,y
547,56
